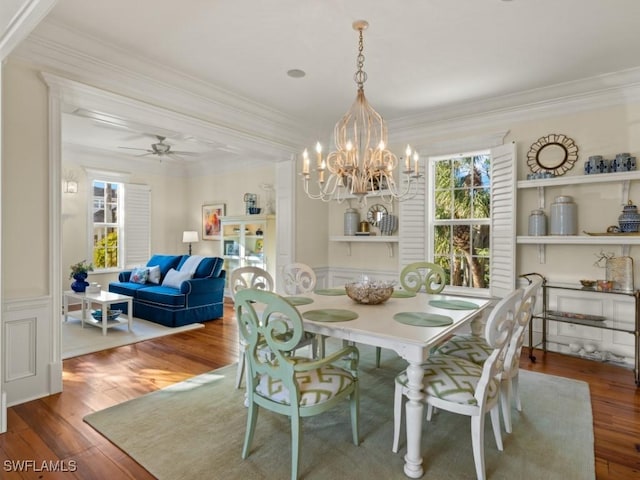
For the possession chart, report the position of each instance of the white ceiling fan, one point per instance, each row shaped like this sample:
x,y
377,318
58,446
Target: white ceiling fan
x,y
161,149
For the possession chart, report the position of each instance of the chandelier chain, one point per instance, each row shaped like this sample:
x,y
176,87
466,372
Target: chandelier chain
x,y
360,76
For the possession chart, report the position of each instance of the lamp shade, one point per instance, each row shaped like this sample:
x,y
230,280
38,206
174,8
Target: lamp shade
x,y
189,237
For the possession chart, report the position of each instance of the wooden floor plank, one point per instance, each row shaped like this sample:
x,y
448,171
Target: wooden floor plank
x,y
53,426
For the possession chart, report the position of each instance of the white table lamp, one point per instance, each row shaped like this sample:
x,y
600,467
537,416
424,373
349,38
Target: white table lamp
x,y
189,237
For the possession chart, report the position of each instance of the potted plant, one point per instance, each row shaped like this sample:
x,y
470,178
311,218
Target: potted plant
x,y
79,272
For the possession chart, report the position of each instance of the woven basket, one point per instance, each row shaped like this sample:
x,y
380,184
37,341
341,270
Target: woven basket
x,y
620,271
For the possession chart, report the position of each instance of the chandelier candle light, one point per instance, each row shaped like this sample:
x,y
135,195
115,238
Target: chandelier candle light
x,y
361,163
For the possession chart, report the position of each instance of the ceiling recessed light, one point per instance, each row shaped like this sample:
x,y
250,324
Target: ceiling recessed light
x,y
295,73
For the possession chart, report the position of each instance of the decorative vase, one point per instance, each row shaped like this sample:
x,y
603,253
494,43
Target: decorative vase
x,y
620,272
629,219
564,216
388,224
537,223
80,284
351,221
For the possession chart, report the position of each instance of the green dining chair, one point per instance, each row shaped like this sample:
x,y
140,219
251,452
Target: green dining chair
x,y
294,386
426,276
257,278
419,276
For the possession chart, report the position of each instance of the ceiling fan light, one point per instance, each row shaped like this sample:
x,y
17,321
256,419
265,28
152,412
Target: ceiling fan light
x,y
161,148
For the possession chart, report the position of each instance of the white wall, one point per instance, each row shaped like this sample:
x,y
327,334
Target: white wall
x,y
29,359
25,196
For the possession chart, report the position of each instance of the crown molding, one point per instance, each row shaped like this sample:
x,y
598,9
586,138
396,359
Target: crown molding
x,y
72,93
24,20
55,48
588,94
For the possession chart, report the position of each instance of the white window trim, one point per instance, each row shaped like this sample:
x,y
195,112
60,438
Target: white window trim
x,y
135,245
91,223
458,290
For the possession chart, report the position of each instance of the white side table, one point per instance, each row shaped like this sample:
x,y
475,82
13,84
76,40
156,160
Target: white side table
x,y
105,300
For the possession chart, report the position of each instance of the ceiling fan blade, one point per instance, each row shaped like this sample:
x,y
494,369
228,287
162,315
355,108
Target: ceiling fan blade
x,y
189,154
132,148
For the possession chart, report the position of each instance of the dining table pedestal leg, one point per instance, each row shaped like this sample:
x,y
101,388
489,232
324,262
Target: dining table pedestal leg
x,y
414,418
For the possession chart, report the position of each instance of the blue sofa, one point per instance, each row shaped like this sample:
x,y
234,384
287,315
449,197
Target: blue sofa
x,y
174,297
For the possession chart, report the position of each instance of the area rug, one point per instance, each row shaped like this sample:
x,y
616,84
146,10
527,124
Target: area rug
x,y
195,429
80,341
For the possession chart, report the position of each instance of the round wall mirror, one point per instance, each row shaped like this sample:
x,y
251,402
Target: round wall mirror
x,y
375,214
554,153
551,156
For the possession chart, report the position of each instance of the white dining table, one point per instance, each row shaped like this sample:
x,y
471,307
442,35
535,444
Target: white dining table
x,y
375,326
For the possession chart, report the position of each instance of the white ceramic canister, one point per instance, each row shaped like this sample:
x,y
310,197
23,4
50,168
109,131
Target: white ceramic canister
x,y
537,223
351,221
564,216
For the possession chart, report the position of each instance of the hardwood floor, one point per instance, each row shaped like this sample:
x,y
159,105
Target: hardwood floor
x,y
51,429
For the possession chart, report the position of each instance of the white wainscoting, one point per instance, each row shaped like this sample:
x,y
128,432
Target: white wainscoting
x,y
27,358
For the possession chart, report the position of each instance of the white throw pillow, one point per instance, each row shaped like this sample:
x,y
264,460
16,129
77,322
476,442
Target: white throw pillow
x,y
174,278
154,274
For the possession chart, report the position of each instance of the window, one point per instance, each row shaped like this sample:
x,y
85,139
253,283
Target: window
x,y
481,243
120,221
459,217
107,224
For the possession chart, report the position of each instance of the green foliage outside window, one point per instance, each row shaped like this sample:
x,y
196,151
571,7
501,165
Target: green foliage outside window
x,y
462,192
105,251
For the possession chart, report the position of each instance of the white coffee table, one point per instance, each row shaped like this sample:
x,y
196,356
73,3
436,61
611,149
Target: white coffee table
x,y
105,300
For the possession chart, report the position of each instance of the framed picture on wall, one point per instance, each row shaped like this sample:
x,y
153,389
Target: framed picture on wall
x,y
231,247
211,225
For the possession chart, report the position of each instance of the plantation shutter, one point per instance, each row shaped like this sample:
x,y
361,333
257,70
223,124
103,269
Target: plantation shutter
x,y
503,219
137,224
412,227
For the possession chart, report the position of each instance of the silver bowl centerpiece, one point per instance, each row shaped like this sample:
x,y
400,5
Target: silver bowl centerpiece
x,y
370,292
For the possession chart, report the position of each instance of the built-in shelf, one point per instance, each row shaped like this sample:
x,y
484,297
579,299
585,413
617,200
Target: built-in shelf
x,y
624,241
388,240
580,179
580,240
624,178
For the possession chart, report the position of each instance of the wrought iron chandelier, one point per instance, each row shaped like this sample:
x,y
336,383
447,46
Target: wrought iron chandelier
x,y
361,164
